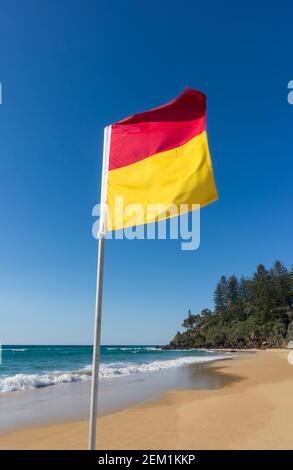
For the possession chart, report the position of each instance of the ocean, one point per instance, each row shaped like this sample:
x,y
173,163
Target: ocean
x,y
26,367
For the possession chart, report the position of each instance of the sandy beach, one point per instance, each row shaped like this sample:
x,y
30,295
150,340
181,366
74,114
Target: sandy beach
x,y
252,411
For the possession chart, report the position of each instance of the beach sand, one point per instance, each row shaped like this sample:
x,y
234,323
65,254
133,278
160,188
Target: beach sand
x,y
253,411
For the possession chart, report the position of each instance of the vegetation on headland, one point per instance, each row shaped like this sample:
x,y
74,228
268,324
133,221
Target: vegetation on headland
x,y
255,312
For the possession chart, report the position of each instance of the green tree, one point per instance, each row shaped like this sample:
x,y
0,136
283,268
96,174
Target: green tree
x,y
190,321
282,284
221,295
244,288
261,292
232,289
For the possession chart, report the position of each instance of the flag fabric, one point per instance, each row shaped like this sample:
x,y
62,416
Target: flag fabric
x,y
159,157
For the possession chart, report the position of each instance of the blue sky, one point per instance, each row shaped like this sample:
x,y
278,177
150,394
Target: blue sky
x,y
69,68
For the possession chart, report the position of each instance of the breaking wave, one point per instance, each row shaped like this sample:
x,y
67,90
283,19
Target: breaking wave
x,y
32,381
124,369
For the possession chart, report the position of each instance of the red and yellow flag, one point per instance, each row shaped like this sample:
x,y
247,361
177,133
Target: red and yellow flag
x,y
160,157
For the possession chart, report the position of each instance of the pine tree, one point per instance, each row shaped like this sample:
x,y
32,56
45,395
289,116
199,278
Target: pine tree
x,y
282,285
261,290
221,295
278,274
244,288
233,293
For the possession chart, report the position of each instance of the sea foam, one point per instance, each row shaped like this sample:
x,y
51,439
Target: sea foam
x,y
128,368
31,381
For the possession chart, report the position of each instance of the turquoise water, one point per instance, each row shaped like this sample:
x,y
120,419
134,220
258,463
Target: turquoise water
x,y
28,367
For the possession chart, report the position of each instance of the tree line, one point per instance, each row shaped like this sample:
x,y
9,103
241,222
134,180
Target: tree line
x,y
250,312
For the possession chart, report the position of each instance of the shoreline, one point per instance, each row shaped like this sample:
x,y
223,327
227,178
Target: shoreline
x,y
69,402
252,411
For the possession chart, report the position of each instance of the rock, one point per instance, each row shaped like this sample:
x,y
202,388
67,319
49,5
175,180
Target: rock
x,y
290,345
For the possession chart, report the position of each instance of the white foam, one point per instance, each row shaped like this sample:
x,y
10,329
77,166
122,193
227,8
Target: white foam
x,y
14,349
127,368
29,382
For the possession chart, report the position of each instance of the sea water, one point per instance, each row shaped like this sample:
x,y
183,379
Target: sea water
x,y
32,367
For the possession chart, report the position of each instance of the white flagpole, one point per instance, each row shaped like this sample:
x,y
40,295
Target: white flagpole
x,y
99,293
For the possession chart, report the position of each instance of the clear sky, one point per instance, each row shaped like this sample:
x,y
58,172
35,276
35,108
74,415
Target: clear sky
x,y
70,67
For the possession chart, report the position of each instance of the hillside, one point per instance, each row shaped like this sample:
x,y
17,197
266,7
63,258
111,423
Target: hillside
x,y
255,312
